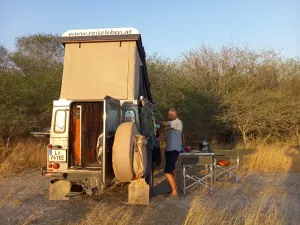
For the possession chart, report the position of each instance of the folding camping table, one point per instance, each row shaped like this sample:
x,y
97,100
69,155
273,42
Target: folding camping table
x,y
191,163
233,157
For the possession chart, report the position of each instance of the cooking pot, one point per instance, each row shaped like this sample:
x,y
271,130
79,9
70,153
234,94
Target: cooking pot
x,y
204,146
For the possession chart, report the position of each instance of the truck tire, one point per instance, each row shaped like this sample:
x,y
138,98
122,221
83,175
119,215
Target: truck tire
x,y
122,155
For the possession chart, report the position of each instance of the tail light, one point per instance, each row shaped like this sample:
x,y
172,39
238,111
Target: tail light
x,y
55,166
49,146
49,165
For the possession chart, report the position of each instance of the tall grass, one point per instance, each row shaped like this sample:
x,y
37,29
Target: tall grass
x,y
269,206
272,158
263,209
31,153
22,155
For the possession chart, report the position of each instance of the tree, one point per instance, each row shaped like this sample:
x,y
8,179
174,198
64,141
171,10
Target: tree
x,y
38,53
30,81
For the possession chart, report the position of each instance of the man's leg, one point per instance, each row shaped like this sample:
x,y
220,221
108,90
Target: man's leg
x,y
172,182
171,158
174,175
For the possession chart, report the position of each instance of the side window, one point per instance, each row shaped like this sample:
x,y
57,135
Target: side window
x,y
60,121
130,116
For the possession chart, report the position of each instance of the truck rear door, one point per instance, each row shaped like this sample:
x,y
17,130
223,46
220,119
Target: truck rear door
x,y
58,152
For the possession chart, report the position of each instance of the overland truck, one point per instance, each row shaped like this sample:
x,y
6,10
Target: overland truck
x,y
105,109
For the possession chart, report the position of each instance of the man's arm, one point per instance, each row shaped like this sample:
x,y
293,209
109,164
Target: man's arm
x,y
168,124
163,123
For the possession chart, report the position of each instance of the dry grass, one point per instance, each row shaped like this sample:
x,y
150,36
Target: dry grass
x,y
265,208
271,205
273,158
22,155
108,212
265,158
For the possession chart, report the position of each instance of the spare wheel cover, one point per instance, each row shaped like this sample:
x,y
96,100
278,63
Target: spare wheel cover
x,y
122,157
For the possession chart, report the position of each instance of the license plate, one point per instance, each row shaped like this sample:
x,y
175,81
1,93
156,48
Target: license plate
x,y
57,156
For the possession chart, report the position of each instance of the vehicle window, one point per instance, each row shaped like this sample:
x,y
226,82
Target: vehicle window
x,y
60,121
130,116
113,117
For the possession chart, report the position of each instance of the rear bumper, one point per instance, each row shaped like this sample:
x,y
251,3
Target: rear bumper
x,y
45,172
71,174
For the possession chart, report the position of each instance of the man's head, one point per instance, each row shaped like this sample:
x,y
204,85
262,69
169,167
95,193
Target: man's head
x,y
172,114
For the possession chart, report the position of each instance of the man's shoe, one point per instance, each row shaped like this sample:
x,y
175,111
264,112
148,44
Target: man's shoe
x,y
171,196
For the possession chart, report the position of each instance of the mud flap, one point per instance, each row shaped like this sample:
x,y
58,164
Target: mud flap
x,y
138,192
58,190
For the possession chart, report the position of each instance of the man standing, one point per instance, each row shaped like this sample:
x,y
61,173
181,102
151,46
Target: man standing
x,y
173,148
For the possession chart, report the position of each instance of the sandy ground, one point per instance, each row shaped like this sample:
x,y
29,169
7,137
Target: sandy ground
x,y
23,200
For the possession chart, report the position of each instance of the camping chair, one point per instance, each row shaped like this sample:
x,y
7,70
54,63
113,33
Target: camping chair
x,y
226,162
191,171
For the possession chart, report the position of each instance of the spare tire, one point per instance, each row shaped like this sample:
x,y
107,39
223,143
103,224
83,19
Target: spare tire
x,y
122,155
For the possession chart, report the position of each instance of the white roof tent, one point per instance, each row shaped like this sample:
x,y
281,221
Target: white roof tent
x,y
100,62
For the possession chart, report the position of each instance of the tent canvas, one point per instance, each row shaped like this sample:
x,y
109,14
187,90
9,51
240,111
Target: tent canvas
x,y
93,70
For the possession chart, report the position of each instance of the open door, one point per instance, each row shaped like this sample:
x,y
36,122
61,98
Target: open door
x,y
76,134
111,121
85,127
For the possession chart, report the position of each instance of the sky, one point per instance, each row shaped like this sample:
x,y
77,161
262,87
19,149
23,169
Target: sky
x,y
168,28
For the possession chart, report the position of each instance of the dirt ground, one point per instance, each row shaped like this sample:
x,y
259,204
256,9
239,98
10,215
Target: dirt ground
x,y
23,200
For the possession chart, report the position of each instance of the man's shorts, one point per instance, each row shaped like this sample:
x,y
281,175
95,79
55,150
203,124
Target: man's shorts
x,y
171,158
